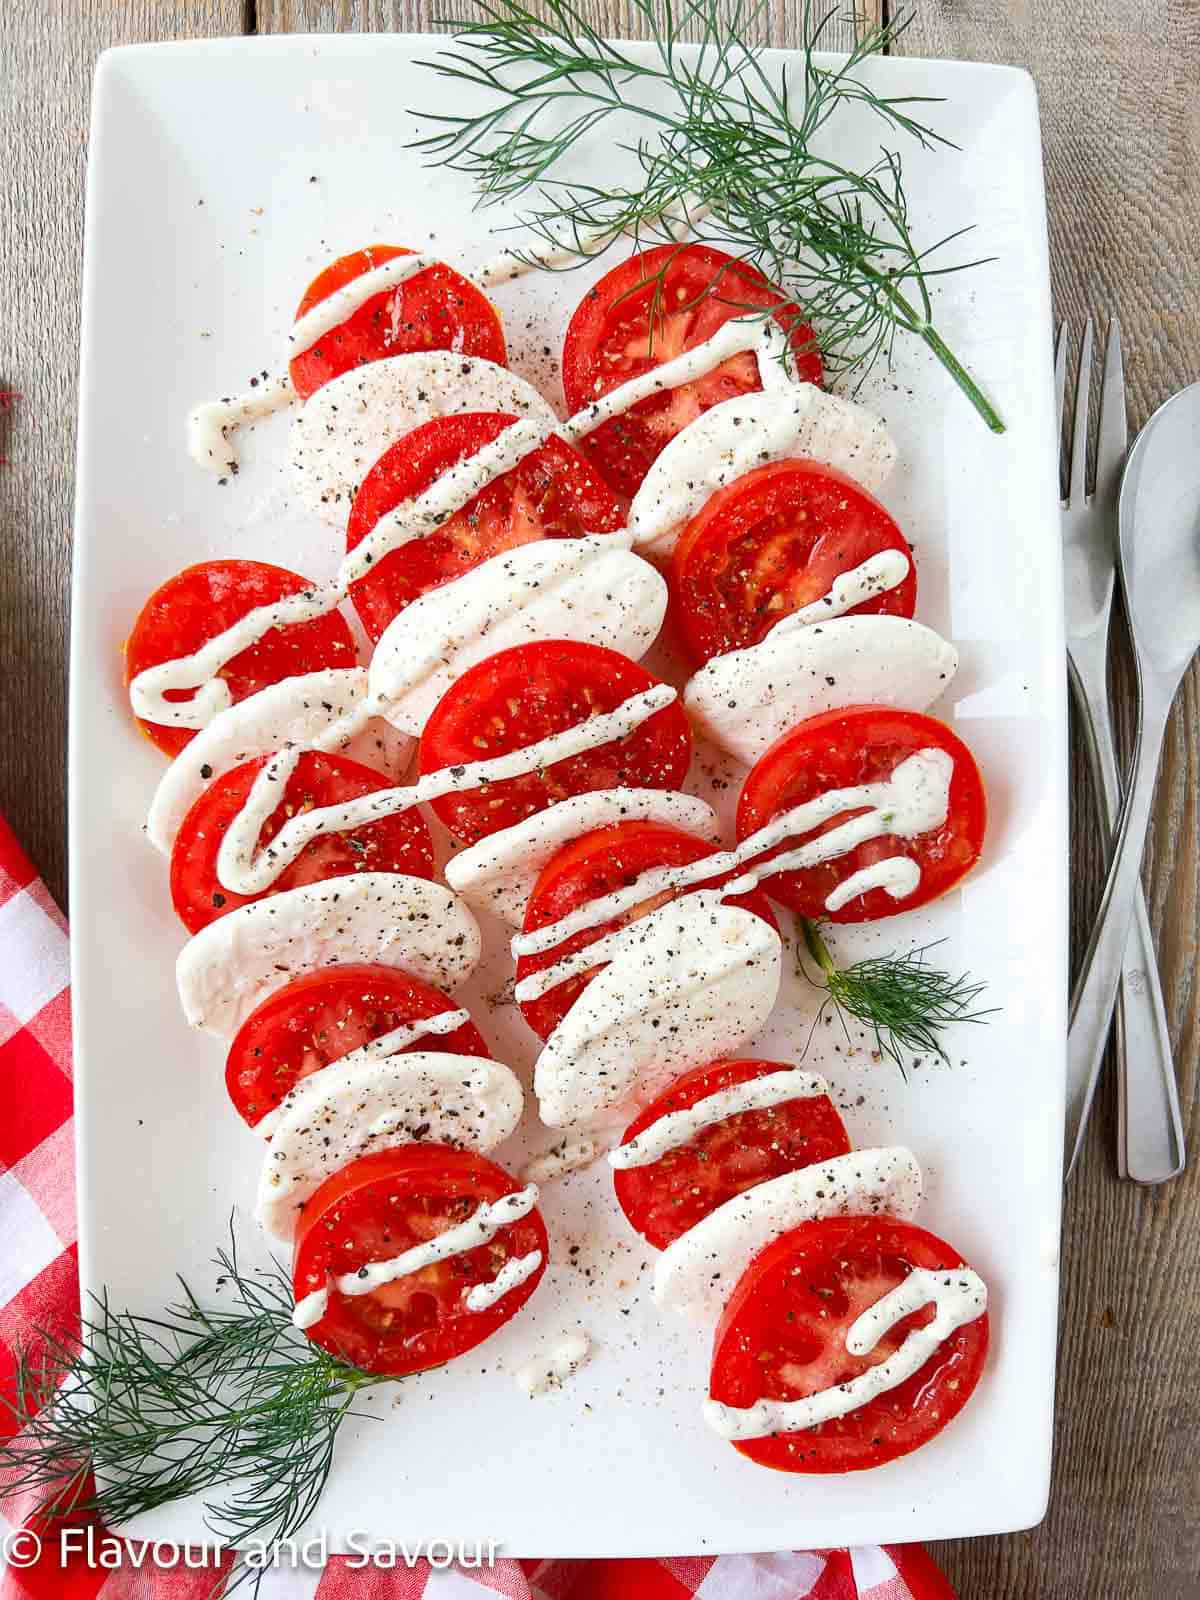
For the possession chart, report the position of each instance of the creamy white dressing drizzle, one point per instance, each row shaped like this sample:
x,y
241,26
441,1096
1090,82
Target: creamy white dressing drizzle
x,y
200,670
310,1309
387,1044
420,516
959,1296
340,306
244,869
569,1155
448,494
210,424
762,336
875,576
897,876
480,1228
509,265
511,1275
561,1362
914,799
679,1128
413,519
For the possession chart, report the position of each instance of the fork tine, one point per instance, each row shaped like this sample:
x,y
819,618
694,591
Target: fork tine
x,y
1112,433
1062,345
1061,348
1079,425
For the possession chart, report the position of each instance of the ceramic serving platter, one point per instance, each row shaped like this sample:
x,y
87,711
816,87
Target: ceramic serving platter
x,y
222,176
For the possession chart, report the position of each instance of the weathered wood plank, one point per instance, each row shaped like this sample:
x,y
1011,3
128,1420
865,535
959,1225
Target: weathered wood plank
x,y
1117,81
47,52
617,18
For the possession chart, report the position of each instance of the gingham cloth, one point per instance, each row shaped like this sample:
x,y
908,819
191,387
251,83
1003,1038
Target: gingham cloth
x,y
39,1287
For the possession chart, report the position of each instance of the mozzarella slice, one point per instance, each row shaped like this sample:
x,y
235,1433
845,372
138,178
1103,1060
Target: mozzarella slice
x,y
498,873
696,1274
226,969
739,435
593,590
426,1096
691,982
294,712
344,428
747,699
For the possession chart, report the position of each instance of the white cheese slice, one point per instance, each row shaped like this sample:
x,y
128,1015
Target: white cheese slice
x,y
692,981
747,699
739,435
226,969
294,712
593,590
697,1272
344,428
425,1097
498,873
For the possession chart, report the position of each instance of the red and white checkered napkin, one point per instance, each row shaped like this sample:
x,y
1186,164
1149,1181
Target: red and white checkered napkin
x,y
39,1287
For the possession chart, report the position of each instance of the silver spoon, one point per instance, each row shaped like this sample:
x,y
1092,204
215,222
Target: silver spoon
x,y
1159,553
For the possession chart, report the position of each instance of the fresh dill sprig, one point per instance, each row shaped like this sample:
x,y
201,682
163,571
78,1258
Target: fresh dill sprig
x,y
231,1403
725,138
903,1000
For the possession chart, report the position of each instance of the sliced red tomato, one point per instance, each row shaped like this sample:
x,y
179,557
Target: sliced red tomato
x,y
436,309
596,864
399,843
552,494
783,1337
202,601
665,1198
841,749
647,311
519,697
771,542
382,1205
322,1017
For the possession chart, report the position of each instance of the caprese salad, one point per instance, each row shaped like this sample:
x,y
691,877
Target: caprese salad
x,y
511,569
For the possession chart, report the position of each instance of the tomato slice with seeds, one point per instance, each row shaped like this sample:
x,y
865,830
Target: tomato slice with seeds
x,y
771,542
521,696
322,1017
552,494
399,843
665,1198
783,1337
381,1205
596,864
436,309
841,749
202,601
647,311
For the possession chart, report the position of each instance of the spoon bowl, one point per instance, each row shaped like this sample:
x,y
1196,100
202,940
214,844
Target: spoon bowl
x,y
1159,537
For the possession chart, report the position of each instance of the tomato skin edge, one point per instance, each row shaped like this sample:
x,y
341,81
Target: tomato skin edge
x,y
636,1187
463,1173
934,1253
755,809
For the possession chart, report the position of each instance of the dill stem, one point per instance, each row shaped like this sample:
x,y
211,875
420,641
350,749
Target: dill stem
x,y
925,330
817,948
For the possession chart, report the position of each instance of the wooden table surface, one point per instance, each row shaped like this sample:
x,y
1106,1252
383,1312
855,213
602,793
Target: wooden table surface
x,y
1121,120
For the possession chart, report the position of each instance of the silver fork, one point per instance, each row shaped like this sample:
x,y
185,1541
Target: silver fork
x,y
1150,1129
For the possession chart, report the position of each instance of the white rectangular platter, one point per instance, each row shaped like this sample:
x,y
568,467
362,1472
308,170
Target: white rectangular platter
x,y
222,175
